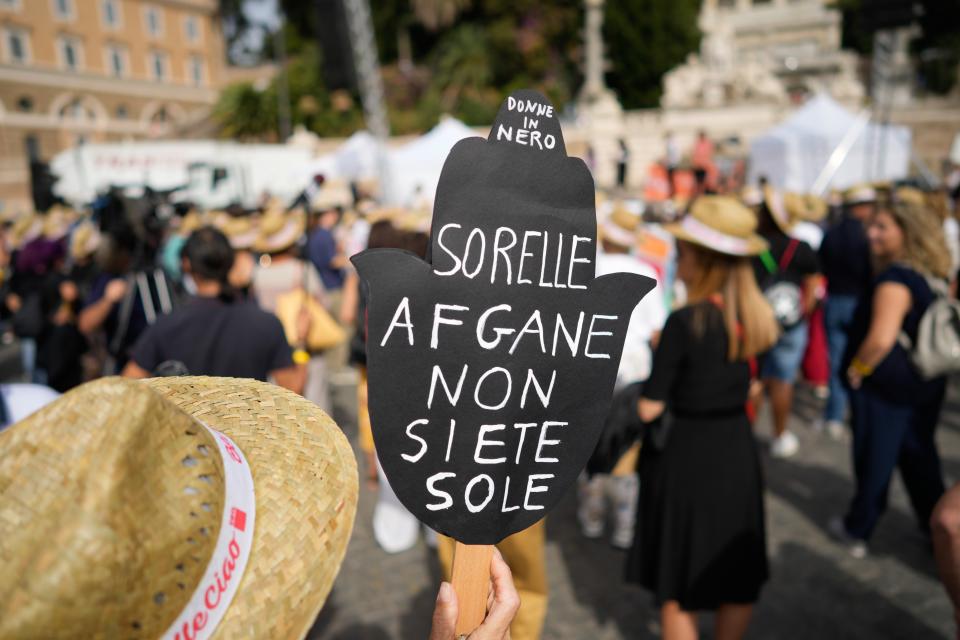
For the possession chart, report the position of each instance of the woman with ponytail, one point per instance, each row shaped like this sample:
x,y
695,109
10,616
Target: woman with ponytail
x,y
701,541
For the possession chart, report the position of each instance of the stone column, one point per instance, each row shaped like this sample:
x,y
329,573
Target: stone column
x,y
598,107
593,85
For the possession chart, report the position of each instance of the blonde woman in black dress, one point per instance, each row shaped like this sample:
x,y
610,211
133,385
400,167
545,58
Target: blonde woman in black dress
x,y
701,541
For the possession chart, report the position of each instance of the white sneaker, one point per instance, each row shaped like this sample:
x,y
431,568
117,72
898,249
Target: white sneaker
x,y
784,446
836,429
838,531
624,493
592,510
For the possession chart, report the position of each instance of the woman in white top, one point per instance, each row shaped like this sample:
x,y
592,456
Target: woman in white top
x,y
280,270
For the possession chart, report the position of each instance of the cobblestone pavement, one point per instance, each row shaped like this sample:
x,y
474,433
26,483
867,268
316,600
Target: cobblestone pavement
x,y
816,589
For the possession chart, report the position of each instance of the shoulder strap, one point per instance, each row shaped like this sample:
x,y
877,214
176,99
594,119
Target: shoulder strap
x,y
788,254
766,258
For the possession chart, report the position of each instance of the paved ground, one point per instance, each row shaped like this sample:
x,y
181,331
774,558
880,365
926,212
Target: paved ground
x,y
816,590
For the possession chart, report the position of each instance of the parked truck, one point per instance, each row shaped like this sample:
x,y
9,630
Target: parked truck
x,y
210,174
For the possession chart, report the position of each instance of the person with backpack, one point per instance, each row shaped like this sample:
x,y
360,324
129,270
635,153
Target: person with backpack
x,y
788,274
894,407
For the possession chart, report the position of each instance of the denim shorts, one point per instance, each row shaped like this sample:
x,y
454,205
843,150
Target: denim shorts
x,y
783,360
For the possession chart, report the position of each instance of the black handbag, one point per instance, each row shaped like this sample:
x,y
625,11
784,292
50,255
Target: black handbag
x,y
621,429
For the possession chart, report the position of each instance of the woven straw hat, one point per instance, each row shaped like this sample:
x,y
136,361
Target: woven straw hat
x,y
56,223
620,227
721,224
333,193
280,230
84,241
24,230
859,194
190,222
751,196
774,200
910,195
808,207
114,511
242,232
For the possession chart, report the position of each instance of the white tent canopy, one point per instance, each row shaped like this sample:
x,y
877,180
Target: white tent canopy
x,y
794,153
417,165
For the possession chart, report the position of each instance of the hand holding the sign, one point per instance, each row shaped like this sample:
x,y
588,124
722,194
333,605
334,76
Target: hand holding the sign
x,y
502,607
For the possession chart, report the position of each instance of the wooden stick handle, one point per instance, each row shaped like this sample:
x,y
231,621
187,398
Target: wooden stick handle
x,y
471,582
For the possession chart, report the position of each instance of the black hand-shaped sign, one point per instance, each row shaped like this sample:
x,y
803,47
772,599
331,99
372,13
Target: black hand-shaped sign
x,y
491,366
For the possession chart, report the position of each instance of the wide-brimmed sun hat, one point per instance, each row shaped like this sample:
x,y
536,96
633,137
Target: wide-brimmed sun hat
x,y
333,193
859,194
910,195
774,200
280,230
751,196
24,229
808,207
721,224
84,241
242,232
185,507
57,221
620,227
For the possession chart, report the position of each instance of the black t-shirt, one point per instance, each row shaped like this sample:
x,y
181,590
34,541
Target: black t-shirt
x,y
894,377
691,371
800,265
212,337
845,257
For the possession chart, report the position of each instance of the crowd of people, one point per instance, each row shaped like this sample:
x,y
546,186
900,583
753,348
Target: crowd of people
x,y
757,291
772,289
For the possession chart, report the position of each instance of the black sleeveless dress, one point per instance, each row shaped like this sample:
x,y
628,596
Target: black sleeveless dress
x,y
700,529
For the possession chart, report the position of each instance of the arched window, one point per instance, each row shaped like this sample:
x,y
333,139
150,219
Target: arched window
x,y
77,111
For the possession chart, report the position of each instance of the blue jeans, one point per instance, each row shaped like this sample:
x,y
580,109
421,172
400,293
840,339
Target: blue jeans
x,y
837,316
888,435
783,360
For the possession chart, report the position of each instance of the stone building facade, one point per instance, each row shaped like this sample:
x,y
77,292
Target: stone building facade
x,y
78,71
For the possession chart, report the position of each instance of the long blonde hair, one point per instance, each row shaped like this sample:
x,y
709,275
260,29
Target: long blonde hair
x,y
748,318
924,245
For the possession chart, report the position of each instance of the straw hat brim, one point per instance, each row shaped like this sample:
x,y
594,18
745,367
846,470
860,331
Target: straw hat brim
x,y
305,479
778,210
755,244
283,239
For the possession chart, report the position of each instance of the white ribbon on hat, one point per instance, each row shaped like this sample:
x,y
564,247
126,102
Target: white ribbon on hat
x,y
618,234
714,239
213,594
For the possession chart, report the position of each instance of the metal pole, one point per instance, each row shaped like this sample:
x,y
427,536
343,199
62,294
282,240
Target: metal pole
x,y
367,65
283,90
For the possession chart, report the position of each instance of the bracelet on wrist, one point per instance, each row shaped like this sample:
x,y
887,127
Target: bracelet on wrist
x,y
861,367
301,356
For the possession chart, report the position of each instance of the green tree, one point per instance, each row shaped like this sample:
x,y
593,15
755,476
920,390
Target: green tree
x,y
244,113
645,39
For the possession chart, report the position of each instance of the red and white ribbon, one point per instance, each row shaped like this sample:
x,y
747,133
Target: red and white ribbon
x,y
213,594
714,239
